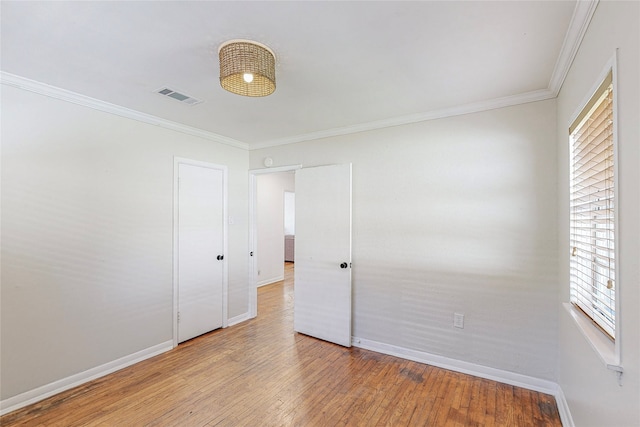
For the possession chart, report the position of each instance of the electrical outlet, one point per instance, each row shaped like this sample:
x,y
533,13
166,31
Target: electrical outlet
x,y
458,320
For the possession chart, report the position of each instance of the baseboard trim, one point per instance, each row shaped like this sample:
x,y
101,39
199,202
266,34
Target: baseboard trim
x,y
32,396
506,377
270,281
238,319
563,409
544,386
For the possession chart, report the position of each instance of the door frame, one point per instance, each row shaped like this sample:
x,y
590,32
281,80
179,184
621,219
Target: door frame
x,y
177,161
253,231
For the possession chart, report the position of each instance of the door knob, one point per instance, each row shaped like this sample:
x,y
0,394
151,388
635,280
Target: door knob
x,y
220,257
344,265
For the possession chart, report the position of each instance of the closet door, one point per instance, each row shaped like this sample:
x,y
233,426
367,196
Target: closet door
x,y
200,252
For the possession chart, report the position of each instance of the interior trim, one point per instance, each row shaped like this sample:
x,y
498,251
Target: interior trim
x,y
238,319
499,375
40,393
177,161
599,342
96,104
582,14
563,409
580,20
507,101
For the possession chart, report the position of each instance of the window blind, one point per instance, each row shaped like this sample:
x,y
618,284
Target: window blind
x,y
592,261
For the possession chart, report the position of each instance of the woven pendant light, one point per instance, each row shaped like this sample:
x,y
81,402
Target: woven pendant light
x,y
247,68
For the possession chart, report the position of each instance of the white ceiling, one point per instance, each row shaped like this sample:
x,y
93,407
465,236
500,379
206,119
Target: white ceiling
x,y
341,66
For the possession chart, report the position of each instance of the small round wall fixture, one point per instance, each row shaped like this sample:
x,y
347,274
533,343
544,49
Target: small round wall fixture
x,y
268,162
247,68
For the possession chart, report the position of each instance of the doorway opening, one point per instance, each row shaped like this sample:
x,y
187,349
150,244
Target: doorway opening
x,y
274,234
322,277
271,228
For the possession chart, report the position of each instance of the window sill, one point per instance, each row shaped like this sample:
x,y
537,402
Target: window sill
x,y
603,346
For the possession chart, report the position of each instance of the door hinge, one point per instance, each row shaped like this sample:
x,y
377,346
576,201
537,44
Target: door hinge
x,y
178,317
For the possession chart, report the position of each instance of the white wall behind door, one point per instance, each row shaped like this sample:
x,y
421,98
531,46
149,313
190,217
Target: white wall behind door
x,y
270,225
453,215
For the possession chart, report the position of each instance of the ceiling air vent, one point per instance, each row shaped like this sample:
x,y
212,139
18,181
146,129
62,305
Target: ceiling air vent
x,y
186,99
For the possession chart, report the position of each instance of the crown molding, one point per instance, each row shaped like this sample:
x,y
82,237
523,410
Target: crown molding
x,y
582,14
96,104
507,101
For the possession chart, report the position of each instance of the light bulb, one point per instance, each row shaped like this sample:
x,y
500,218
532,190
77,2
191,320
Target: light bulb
x,y
247,77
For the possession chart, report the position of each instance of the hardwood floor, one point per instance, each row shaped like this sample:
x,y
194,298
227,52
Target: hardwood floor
x,y
261,373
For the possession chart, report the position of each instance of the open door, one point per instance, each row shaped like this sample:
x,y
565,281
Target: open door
x,y
322,306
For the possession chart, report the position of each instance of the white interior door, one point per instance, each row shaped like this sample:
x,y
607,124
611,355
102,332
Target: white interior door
x,y
200,250
322,304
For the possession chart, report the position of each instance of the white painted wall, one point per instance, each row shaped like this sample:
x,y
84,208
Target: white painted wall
x,y
454,215
466,214
592,391
87,205
289,213
270,225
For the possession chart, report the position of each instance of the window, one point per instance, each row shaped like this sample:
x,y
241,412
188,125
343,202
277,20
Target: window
x,y
592,213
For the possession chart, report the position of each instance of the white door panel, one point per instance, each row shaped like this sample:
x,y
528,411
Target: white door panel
x,y
200,244
322,272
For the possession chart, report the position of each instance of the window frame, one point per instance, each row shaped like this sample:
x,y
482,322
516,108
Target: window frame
x,y
592,209
605,347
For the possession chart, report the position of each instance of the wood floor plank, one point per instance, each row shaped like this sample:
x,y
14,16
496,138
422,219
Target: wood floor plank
x,y
476,416
405,403
428,397
489,402
348,392
262,373
376,392
459,404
